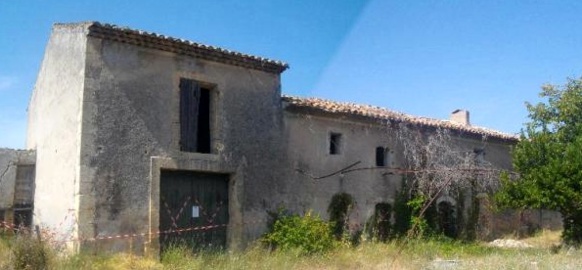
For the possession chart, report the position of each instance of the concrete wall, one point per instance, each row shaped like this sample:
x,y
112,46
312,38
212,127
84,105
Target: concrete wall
x,y
13,191
54,127
131,131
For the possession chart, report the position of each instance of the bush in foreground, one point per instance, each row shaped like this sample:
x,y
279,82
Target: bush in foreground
x,y
28,252
308,234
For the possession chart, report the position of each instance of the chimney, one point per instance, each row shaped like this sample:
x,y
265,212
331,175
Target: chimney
x,y
460,117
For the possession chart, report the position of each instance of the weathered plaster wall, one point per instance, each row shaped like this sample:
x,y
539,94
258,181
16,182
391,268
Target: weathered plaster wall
x,y
10,159
308,135
104,120
131,131
308,152
54,127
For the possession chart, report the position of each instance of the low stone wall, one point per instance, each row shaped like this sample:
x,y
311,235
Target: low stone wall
x,y
493,223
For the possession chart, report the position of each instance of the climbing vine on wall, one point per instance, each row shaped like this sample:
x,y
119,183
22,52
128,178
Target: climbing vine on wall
x,y
379,226
339,211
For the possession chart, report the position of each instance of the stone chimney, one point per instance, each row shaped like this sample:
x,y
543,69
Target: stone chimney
x,y
460,117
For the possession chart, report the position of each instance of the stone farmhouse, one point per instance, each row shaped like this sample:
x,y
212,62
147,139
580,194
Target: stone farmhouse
x,y
133,134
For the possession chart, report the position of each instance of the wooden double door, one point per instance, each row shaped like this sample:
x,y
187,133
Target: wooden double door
x,y
193,209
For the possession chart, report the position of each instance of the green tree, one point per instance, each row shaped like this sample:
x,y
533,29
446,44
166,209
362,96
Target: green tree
x,y
548,159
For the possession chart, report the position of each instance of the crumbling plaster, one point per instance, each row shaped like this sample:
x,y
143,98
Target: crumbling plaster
x,y
130,130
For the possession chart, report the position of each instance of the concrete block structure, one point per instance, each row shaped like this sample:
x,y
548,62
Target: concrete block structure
x,y
135,133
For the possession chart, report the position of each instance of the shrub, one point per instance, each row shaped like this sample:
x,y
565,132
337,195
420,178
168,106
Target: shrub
x,y
308,234
29,253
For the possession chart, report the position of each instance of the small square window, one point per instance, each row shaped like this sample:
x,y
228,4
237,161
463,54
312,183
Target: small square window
x,y
335,143
479,156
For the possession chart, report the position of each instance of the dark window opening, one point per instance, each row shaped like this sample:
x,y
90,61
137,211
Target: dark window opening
x,y
204,122
381,159
24,185
194,117
334,143
447,220
23,215
479,156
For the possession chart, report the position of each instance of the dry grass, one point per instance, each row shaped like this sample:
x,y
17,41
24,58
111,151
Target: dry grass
x,y
545,239
430,254
4,254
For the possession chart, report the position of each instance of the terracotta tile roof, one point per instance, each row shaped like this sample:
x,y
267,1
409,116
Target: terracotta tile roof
x,y
180,46
379,113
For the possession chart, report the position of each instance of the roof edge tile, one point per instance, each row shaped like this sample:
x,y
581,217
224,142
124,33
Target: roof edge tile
x,y
179,46
379,113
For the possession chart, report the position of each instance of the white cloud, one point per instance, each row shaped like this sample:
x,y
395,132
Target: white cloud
x,y
7,82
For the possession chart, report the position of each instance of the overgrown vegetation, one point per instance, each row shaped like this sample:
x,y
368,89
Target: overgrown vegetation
x,y
26,251
439,175
416,254
339,210
548,159
29,253
402,211
379,226
306,234
470,232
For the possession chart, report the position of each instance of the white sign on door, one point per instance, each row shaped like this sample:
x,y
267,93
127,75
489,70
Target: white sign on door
x,y
195,211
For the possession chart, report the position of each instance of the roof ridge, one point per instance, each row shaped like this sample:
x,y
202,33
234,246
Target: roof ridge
x,y
377,112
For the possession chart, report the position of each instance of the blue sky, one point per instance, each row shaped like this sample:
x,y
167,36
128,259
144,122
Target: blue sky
x,y
425,58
